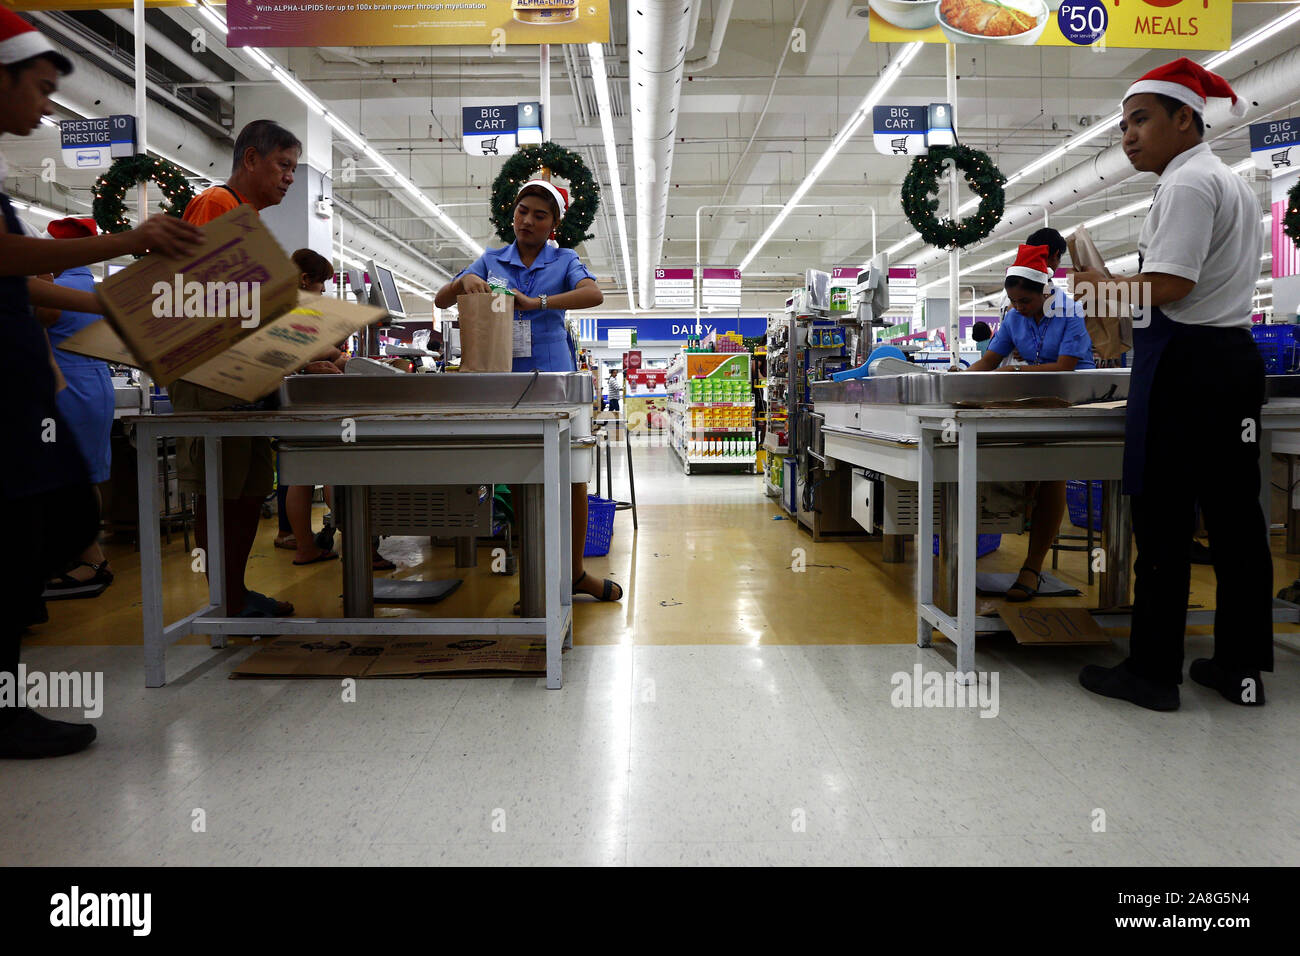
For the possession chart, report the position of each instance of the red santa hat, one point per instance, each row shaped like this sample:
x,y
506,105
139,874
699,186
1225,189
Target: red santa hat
x,y
19,41
1031,264
1189,83
73,227
560,196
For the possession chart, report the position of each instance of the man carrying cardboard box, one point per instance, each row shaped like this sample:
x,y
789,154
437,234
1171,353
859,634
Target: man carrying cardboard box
x,y
45,492
266,157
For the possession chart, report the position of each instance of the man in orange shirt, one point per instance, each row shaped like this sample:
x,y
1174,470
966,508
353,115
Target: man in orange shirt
x,y
266,157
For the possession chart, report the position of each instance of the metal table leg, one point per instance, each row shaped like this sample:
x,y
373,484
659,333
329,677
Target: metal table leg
x,y
151,607
216,555
924,535
551,549
352,517
631,479
968,495
1113,585
532,563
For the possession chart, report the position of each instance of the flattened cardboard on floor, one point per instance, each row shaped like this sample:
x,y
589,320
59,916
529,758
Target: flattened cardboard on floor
x,y
312,657
1052,625
397,657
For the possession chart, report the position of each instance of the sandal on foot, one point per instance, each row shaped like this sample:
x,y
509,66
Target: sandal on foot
x,y
1013,592
607,592
323,556
66,586
287,543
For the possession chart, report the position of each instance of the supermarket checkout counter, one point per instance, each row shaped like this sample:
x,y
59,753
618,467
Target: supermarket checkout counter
x,y
931,431
369,433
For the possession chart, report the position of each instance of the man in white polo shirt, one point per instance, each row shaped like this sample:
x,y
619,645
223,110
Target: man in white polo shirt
x,y
1194,402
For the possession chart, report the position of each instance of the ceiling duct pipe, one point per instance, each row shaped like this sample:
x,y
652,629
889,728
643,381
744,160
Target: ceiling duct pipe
x,y
656,47
181,58
1266,88
720,21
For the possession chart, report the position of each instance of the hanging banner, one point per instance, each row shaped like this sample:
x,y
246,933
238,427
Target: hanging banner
x,y
674,287
95,143
499,130
720,287
1131,24
496,23
1275,146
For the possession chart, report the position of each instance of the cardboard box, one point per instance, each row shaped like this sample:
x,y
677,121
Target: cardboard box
x,y
430,656
208,301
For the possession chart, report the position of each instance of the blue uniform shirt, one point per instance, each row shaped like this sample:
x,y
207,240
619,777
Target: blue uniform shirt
x,y
553,272
1061,332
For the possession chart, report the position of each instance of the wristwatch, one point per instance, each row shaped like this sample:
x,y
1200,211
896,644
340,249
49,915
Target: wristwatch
x,y
542,299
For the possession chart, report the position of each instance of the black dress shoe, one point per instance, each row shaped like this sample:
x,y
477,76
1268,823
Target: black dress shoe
x,y
1245,688
1122,684
26,734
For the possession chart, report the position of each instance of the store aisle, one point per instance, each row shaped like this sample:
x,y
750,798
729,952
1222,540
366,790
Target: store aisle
x,y
730,711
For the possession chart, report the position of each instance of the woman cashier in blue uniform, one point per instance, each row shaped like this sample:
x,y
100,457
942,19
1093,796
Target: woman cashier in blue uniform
x,y
546,281
1047,328
1193,414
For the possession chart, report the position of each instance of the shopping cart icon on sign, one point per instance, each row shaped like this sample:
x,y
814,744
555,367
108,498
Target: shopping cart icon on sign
x,y
489,145
899,145
1282,158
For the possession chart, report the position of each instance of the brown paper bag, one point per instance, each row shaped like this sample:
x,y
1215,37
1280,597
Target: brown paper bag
x,y
1111,332
486,332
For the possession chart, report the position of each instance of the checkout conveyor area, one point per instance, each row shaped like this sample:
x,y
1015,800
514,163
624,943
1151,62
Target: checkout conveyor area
x,y
927,451
408,454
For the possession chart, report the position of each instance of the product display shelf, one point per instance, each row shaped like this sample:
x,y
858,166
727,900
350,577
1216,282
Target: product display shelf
x,y
726,442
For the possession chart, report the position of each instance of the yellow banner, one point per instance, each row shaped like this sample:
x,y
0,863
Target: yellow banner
x,y
89,4
1142,24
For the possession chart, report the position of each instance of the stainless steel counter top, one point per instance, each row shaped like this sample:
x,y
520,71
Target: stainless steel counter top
x,y
412,392
1054,389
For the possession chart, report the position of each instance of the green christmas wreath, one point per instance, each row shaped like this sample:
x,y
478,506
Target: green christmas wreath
x,y
922,182
584,194
110,190
1291,218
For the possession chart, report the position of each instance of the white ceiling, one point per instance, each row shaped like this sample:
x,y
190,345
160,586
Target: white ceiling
x,y
1013,102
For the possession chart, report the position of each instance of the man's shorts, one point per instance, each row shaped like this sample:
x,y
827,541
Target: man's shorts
x,y
247,463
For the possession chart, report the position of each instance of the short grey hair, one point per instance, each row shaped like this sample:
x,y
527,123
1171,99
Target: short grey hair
x,y
265,136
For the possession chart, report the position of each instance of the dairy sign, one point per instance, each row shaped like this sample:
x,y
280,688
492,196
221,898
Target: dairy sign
x,y
1275,146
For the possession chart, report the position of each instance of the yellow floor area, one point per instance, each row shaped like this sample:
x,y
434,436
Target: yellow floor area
x,y
694,573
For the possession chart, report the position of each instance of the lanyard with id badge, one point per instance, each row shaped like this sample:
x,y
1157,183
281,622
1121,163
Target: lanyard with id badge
x,y
522,333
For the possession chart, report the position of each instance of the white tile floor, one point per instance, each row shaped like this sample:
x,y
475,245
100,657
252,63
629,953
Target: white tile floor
x,y
659,755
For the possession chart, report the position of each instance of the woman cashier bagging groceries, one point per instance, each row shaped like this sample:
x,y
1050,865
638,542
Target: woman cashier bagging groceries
x,y
1047,328
545,281
1186,444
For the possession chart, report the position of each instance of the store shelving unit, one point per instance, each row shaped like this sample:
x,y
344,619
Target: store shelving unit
x,y
730,441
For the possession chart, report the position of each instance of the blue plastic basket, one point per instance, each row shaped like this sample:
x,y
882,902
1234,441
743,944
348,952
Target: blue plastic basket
x,y
1279,347
1076,500
984,544
600,526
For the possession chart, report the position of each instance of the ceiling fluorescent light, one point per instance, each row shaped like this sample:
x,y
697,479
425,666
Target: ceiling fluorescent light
x,y
309,99
881,87
601,82
1254,38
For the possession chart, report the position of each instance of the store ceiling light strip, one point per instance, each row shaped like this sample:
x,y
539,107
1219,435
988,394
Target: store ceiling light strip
x,y
309,99
1245,43
601,82
860,115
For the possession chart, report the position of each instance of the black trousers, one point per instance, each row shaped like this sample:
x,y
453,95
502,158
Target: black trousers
x,y
46,532
1203,449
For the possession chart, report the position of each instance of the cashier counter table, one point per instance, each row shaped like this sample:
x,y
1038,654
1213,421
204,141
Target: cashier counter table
x,y
404,434
950,431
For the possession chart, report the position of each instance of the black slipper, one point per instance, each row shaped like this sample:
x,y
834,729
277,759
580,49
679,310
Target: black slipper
x,y
29,735
607,591
1122,684
1028,591
323,556
1244,688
